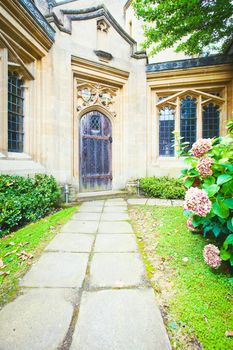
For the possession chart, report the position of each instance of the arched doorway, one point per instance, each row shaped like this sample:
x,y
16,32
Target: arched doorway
x,y
95,152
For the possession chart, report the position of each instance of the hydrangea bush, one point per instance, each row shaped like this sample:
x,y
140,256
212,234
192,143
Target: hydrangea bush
x,y
208,206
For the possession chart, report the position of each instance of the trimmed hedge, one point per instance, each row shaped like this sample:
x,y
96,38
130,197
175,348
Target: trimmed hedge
x,y
24,200
162,187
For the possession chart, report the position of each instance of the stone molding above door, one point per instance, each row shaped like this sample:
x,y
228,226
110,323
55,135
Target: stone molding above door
x,y
96,94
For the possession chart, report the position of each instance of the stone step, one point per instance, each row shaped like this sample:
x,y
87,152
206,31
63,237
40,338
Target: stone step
x,y
88,196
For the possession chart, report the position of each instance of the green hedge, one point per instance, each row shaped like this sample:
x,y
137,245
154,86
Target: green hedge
x,y
23,200
162,187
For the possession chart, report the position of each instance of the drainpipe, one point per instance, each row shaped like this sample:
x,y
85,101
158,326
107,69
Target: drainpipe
x,y
66,191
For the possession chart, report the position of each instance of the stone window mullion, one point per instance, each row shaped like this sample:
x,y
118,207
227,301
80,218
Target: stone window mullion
x,y
177,122
3,100
199,117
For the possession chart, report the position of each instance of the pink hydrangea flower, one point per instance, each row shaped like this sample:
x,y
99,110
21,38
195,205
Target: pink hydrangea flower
x,y
211,255
201,146
190,225
204,166
197,201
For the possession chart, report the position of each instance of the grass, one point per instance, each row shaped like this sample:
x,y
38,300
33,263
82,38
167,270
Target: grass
x,y
30,240
197,302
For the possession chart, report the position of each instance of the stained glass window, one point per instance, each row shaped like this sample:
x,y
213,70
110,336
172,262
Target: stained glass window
x,y
188,120
15,113
210,121
166,127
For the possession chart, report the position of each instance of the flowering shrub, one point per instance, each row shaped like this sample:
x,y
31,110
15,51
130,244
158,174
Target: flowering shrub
x,y
190,225
209,197
204,166
197,202
200,147
211,255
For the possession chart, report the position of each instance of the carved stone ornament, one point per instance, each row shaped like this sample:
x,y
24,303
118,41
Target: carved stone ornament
x,y
89,94
102,25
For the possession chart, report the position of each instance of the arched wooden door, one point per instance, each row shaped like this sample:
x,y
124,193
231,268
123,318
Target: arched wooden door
x,y
95,152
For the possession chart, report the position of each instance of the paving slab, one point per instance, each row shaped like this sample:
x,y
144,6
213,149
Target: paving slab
x,y
114,204
163,202
120,320
115,243
93,203
86,216
37,320
114,227
115,209
137,201
177,202
115,199
74,226
57,270
117,270
151,201
68,242
114,217
90,209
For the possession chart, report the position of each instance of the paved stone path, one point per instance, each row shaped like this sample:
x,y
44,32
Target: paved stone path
x,y
87,291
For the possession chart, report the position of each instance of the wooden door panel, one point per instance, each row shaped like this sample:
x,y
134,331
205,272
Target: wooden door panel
x,y
95,152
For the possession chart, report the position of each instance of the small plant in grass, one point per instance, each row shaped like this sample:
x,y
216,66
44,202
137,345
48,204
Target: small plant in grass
x,y
162,187
209,197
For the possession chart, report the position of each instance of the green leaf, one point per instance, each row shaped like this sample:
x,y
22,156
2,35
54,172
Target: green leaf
x,y
188,183
197,220
211,189
231,260
224,178
216,230
184,171
228,166
187,213
229,202
210,180
228,241
221,209
225,255
230,225
188,160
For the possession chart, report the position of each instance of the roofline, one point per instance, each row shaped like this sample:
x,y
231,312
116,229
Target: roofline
x,y
189,63
96,12
38,17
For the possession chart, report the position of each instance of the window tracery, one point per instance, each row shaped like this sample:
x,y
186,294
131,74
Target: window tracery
x,y
196,114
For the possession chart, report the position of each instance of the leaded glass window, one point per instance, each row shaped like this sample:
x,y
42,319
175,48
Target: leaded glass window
x,y
166,128
15,113
210,121
188,120
95,123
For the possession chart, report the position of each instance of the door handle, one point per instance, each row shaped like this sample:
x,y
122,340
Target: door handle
x,y
110,139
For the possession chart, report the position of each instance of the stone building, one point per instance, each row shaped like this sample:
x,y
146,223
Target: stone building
x,y
80,101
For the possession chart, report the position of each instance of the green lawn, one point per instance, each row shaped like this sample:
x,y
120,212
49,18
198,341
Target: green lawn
x,y
196,301
31,239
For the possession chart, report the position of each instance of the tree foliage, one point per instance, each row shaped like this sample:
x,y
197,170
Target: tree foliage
x,y
193,26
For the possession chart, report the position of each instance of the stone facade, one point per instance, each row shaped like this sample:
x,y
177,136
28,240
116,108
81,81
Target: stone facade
x,y
66,50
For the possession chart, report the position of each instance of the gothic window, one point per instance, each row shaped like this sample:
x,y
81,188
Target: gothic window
x,y
166,128
191,113
15,113
210,121
188,120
